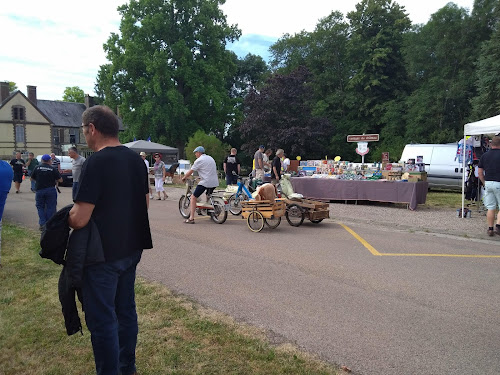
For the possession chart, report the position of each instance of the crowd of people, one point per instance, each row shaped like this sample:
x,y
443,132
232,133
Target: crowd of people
x,y
121,217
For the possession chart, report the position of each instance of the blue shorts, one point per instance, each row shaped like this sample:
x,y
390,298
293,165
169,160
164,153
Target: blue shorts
x,y
491,198
200,189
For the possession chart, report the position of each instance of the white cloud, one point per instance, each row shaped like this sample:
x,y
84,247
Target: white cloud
x,y
53,44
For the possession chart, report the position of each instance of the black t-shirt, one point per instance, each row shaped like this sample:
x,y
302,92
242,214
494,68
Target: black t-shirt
x,y
232,163
45,176
490,162
115,181
276,163
17,165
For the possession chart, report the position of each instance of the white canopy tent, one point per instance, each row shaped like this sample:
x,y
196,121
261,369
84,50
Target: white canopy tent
x,y
487,126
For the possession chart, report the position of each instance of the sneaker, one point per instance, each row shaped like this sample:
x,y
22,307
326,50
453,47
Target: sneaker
x,y
150,197
491,232
497,230
17,191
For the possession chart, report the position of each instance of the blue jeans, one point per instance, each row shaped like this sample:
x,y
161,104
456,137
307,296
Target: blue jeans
x,y
46,202
74,190
33,183
109,304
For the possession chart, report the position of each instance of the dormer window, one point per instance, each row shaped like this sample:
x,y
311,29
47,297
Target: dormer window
x,y
18,113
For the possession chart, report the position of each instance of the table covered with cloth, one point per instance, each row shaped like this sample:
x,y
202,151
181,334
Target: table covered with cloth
x,y
412,193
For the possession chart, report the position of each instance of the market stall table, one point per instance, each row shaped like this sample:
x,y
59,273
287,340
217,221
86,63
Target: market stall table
x,y
412,193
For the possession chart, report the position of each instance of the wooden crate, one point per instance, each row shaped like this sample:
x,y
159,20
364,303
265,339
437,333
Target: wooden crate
x,y
268,209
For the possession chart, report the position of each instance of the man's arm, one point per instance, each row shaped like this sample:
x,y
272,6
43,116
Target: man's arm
x,y
80,214
480,174
188,173
224,166
261,163
239,168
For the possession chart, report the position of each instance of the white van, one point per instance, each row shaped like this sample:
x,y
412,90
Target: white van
x,y
443,171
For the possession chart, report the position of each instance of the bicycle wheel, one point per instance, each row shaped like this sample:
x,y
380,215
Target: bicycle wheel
x,y
235,204
317,221
272,223
294,215
219,213
255,221
184,206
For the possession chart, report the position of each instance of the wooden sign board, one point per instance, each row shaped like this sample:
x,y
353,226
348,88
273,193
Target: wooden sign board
x,y
363,138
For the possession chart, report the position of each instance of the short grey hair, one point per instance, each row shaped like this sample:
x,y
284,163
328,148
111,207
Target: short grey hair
x,y
280,152
73,148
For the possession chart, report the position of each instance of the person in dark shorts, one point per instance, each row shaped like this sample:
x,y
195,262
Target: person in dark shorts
x,y
207,171
232,164
17,167
45,177
121,217
276,167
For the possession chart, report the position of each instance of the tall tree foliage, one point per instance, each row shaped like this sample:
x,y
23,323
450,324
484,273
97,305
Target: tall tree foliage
x,y
74,94
487,102
440,58
169,70
379,74
280,116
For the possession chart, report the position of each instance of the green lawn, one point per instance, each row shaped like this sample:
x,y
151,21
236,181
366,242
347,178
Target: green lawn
x,y
176,335
443,199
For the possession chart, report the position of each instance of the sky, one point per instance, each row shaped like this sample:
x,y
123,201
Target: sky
x,y
52,44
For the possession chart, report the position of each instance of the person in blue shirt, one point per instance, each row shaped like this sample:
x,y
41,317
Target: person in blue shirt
x,y
6,175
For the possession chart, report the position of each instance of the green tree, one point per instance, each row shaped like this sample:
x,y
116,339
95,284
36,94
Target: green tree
x,y
169,70
12,87
74,95
440,59
213,146
487,102
379,74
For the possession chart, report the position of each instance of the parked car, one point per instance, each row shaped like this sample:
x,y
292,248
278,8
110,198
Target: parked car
x,y
66,169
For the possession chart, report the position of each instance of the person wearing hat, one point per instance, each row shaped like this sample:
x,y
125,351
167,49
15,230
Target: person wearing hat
x,y
45,177
207,171
258,160
160,175
143,156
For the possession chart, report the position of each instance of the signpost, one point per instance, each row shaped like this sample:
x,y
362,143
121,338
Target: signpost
x,y
363,140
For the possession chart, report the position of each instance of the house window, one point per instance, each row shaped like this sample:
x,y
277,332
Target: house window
x,y
58,136
20,134
73,136
18,113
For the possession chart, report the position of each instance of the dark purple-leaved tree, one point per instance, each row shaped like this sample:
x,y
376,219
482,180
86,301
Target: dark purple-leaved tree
x,y
280,116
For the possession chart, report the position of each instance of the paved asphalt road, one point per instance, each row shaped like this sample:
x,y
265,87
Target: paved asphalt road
x,y
403,310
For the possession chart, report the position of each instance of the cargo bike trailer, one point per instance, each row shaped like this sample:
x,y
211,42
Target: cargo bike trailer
x,y
258,213
299,209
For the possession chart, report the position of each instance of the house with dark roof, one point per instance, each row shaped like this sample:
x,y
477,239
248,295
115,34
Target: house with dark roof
x,y
28,124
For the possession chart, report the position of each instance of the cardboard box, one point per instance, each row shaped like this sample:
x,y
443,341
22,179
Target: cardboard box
x,y
417,176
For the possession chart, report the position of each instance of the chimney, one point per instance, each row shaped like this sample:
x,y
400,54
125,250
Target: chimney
x,y
4,91
32,94
89,101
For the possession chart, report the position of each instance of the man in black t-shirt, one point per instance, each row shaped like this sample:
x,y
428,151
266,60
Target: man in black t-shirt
x,y
489,174
45,177
121,216
276,167
17,166
232,164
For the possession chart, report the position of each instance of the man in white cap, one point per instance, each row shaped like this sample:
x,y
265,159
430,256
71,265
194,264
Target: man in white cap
x,y
207,170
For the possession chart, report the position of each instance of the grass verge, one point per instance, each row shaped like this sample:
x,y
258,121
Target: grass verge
x,y
443,199
176,335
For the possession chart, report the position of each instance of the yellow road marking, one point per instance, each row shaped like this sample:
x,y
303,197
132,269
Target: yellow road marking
x,y
372,250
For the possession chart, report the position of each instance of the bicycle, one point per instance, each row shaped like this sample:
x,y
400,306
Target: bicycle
x,y
242,194
215,206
